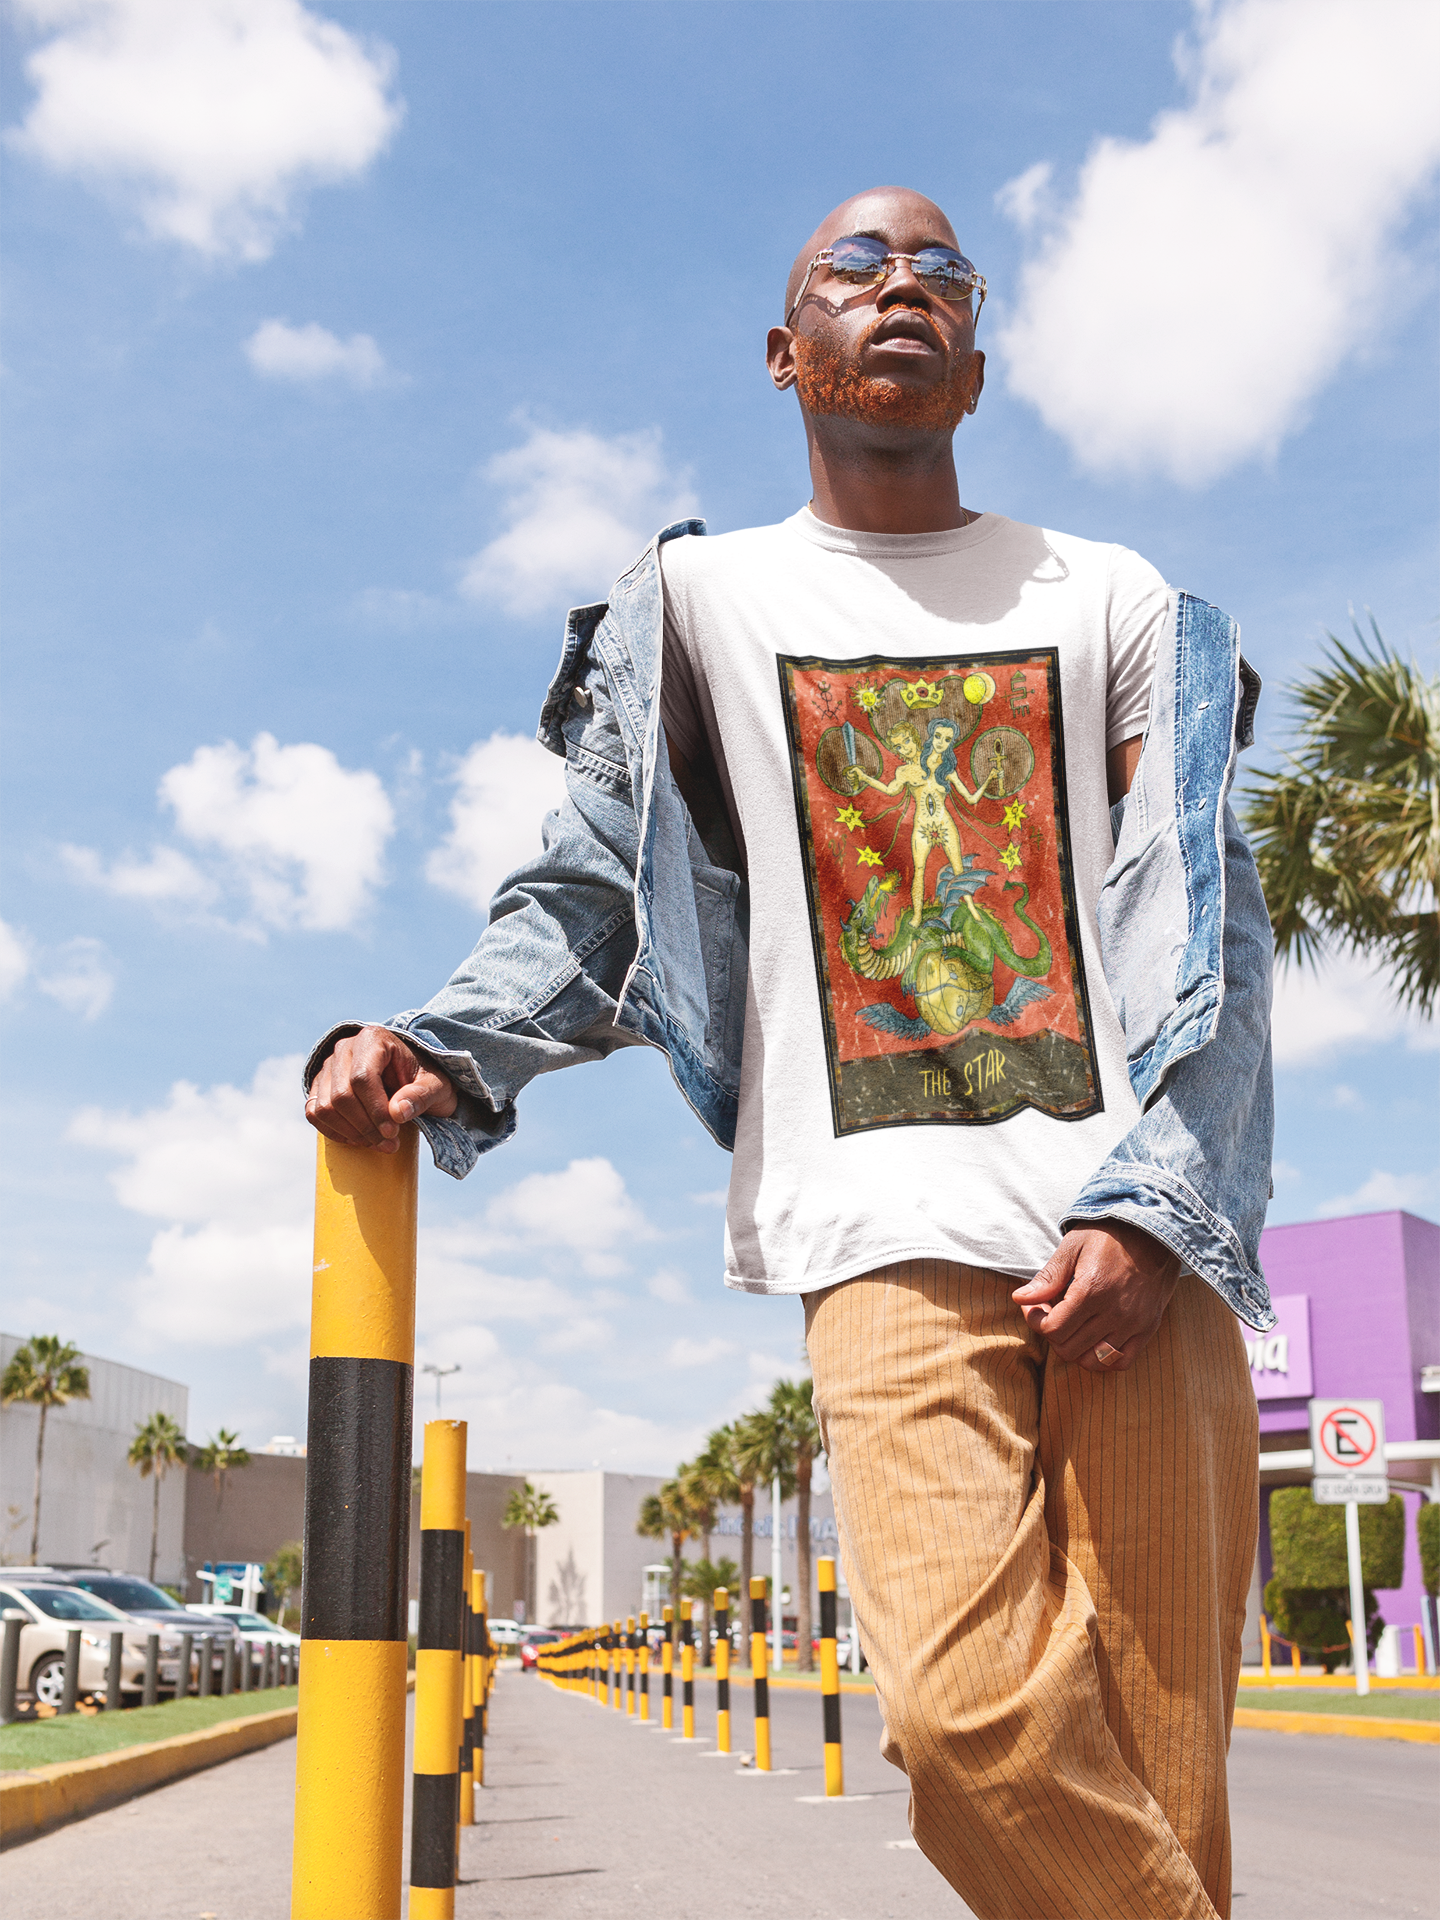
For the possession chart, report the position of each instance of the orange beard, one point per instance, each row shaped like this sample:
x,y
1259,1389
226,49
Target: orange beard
x,y
828,384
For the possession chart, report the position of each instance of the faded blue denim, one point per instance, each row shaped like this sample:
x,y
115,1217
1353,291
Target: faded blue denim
x,y
624,932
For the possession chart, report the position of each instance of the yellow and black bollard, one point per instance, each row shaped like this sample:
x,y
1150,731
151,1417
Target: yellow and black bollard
x,y
667,1674
630,1666
687,1670
480,1671
722,1670
350,1754
435,1808
830,1684
759,1664
644,1653
467,1694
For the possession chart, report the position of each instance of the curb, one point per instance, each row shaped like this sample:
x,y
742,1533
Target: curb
x,y
1426,1732
44,1798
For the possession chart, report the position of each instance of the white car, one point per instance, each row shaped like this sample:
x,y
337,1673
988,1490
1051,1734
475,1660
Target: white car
x,y
505,1633
251,1625
53,1612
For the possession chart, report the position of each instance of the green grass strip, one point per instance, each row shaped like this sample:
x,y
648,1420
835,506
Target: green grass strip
x,y
79,1736
1399,1705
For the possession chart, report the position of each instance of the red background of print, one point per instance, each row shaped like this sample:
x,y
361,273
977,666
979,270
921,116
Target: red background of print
x,y
817,694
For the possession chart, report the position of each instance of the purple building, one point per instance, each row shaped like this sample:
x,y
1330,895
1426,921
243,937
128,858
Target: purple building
x,y
1359,1307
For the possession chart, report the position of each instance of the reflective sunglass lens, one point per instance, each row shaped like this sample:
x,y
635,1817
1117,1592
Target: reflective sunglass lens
x,y
858,262
949,276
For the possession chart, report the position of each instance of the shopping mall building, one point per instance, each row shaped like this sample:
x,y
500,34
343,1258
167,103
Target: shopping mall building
x,y
1359,1307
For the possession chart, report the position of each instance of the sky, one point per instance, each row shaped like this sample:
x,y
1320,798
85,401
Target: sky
x,y
347,346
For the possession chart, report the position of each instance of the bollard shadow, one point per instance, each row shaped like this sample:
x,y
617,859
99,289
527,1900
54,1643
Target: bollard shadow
x,y
502,1879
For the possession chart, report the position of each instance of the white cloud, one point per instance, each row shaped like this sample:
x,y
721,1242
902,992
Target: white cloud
x,y
578,507
1383,1192
14,960
168,875
301,836
1184,308
584,1210
279,351
79,978
504,787
669,1286
716,1197
697,1353
1341,1005
77,974
230,1170
210,115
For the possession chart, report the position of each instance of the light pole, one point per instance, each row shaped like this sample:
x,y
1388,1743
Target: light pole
x,y
778,1651
440,1373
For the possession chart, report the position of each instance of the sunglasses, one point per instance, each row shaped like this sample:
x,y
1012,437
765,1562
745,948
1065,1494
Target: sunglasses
x,y
861,262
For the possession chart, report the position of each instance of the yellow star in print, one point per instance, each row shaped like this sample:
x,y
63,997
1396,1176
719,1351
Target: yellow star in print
x,y
868,857
850,817
1015,814
1010,858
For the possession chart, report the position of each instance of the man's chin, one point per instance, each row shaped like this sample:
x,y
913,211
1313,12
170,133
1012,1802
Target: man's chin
x,y
829,385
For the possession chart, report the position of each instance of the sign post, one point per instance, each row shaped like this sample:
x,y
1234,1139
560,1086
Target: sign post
x,y
1347,1442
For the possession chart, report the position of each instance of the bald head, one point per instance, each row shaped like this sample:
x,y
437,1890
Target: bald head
x,y
880,211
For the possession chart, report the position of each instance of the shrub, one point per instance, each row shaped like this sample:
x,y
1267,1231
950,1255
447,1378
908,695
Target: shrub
x,y
1427,1532
1314,1618
1307,1542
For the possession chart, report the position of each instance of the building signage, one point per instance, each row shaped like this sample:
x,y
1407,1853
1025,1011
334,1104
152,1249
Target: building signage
x,y
1347,1440
1280,1359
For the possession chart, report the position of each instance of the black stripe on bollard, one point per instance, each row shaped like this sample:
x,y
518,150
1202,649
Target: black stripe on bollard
x,y
204,1667
112,1671
182,1667
71,1691
357,1500
152,1670
434,1816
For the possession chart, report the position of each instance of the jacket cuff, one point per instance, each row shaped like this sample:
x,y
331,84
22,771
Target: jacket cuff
x,y
1172,1212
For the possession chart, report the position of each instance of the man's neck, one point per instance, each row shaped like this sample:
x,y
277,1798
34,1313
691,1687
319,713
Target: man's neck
x,y
865,485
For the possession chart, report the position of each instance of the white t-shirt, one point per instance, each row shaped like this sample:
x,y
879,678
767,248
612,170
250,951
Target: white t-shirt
x,y
938,1082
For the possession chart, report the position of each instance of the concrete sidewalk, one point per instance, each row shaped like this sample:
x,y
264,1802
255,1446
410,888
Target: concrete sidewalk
x,y
588,1817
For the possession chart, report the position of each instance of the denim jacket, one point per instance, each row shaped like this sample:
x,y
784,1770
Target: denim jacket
x,y
628,929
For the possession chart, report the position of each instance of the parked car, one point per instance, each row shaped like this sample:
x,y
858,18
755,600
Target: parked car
x,y
141,1600
251,1625
53,1612
535,1638
506,1634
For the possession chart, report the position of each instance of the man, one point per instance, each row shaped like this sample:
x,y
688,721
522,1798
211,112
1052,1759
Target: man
x,y
1004,1122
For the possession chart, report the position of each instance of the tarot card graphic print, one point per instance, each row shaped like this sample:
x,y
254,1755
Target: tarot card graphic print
x,y
930,797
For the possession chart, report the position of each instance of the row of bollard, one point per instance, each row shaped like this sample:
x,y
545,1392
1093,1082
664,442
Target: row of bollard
x,y
454,1670
611,1665
240,1670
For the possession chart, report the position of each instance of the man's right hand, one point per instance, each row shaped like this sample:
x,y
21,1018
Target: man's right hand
x,y
369,1088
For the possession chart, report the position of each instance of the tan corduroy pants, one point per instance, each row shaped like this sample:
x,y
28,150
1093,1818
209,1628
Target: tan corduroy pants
x,y
1049,1569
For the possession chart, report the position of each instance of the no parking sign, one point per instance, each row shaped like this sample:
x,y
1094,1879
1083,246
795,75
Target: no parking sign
x,y
1347,1441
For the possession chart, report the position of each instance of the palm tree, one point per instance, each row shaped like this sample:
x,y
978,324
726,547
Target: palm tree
x,y
791,1404
45,1373
764,1452
221,1452
707,1483
531,1509
742,1465
668,1515
1347,831
158,1445
284,1574
701,1578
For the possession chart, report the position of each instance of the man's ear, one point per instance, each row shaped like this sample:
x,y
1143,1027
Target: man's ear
x,y
780,357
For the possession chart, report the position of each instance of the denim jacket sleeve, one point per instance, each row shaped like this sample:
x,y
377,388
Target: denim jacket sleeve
x,y
542,987
1185,940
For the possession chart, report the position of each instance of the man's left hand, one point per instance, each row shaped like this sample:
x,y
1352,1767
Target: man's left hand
x,y
1101,1295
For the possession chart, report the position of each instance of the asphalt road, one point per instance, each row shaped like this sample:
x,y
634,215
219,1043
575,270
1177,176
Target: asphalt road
x,y
589,1817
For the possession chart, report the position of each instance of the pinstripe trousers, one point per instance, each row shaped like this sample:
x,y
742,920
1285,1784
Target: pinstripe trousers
x,y
1049,1569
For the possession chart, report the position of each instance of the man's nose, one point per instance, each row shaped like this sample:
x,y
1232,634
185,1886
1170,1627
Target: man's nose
x,y
902,289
